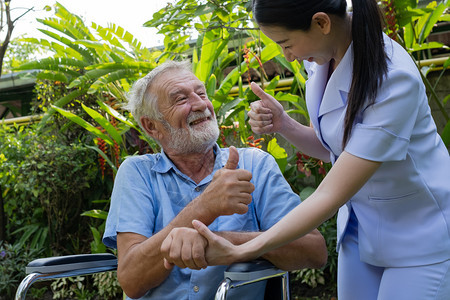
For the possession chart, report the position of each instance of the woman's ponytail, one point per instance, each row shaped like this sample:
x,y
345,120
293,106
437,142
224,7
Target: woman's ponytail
x,y
370,60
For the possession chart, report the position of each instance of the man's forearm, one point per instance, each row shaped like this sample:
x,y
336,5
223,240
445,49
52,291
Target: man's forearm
x,y
308,251
140,262
141,265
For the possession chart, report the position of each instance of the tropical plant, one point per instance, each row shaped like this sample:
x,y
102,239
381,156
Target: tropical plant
x,y
13,259
228,39
7,24
19,53
90,60
227,50
103,62
106,66
411,26
44,184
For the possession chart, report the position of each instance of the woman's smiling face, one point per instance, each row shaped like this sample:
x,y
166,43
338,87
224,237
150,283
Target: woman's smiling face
x,y
310,45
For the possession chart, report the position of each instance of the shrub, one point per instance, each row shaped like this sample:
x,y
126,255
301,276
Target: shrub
x,y
13,259
45,187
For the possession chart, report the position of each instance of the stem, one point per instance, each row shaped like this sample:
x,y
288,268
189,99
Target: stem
x,y
434,96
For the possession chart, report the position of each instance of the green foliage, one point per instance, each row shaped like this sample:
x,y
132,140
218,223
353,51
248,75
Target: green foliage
x,y
89,60
278,153
19,53
93,67
13,259
414,26
44,184
71,288
226,40
312,277
107,285
103,286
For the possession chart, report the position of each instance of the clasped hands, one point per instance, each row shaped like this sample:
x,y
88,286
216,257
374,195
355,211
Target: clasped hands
x,y
196,248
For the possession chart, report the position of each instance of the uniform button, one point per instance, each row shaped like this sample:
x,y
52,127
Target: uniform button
x,y
197,189
196,289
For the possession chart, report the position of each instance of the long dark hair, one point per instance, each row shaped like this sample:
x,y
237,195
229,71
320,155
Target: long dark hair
x,y
369,57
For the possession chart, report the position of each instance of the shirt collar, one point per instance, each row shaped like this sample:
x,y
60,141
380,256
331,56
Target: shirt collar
x,y
338,84
164,164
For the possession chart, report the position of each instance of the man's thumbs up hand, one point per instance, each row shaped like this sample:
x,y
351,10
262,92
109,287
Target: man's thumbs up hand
x,y
233,159
230,191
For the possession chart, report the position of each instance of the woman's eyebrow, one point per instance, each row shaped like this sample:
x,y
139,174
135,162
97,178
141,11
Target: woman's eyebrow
x,y
282,41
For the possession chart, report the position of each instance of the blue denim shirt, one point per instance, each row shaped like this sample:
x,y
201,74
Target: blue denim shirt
x,y
149,191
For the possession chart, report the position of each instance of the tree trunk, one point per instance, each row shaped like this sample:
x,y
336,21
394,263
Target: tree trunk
x,y
9,30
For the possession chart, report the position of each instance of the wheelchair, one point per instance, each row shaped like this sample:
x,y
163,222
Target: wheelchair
x,y
236,275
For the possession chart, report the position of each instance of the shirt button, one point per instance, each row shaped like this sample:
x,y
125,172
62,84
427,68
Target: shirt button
x,y
196,289
197,189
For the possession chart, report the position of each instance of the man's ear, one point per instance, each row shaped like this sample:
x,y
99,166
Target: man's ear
x,y
150,127
323,21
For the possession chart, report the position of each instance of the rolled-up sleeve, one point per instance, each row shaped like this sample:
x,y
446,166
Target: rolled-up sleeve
x,y
131,205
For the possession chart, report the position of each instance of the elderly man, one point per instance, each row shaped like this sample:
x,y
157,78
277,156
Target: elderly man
x,y
237,193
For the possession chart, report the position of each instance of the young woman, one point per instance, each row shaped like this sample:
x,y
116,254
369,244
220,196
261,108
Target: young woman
x,y
370,117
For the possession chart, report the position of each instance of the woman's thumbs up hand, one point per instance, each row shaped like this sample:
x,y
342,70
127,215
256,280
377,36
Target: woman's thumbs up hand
x,y
266,115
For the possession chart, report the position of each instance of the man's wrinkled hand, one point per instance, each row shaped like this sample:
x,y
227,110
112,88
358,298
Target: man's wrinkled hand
x,y
220,251
230,190
185,248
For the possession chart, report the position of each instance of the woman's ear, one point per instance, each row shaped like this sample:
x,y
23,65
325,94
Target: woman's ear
x,y
150,127
323,21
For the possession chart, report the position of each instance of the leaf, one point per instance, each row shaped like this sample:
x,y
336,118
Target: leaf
x,y
278,153
306,192
446,99
211,86
446,63
96,213
69,43
212,46
228,106
59,103
425,46
445,135
431,20
115,114
229,81
90,75
28,230
53,76
112,131
86,125
101,83
102,154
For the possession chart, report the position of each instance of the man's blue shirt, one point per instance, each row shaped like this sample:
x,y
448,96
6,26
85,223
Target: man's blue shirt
x,y
149,191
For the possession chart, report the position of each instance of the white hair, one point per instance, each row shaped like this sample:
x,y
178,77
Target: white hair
x,y
141,102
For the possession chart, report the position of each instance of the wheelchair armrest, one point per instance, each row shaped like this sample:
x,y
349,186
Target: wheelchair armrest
x,y
67,263
254,270
65,266
240,274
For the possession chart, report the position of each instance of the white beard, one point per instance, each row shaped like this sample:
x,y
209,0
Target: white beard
x,y
192,140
